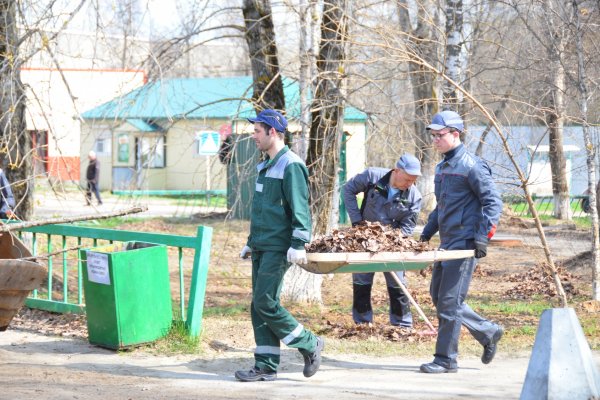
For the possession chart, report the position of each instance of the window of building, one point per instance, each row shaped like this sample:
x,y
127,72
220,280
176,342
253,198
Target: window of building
x,y
152,151
103,144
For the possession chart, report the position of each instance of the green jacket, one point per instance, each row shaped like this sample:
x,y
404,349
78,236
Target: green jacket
x,y
280,216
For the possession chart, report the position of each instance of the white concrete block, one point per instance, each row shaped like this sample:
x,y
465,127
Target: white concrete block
x,y
561,364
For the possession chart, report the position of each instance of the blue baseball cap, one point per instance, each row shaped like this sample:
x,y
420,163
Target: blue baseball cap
x,y
410,164
446,119
272,118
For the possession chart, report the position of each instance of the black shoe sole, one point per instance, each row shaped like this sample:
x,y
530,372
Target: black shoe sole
x,y
495,339
320,349
259,378
441,371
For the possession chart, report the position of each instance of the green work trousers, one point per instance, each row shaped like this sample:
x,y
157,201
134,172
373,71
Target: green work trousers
x,y
271,322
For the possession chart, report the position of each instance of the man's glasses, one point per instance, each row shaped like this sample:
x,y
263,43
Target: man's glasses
x,y
437,136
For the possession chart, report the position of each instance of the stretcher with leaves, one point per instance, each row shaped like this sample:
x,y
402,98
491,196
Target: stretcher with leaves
x,y
334,263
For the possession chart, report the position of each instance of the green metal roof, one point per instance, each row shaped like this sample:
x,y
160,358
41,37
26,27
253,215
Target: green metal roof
x,y
196,98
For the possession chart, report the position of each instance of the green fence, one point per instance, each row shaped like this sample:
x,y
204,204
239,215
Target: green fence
x,y
545,205
63,291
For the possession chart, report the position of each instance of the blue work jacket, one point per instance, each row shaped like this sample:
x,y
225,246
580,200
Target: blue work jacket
x,y
7,200
468,204
401,211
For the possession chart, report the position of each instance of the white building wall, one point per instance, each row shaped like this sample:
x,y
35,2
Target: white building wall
x,y
55,99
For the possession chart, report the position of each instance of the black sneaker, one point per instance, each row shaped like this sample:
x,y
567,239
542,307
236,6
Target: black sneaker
x,y
489,350
256,375
312,362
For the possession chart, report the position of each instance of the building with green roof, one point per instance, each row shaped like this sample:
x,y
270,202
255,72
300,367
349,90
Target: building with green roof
x,y
166,134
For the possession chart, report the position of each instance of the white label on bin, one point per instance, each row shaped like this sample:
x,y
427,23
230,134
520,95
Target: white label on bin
x,y
97,268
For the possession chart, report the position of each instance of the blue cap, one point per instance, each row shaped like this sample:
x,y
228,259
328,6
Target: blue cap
x,y
272,118
410,164
446,119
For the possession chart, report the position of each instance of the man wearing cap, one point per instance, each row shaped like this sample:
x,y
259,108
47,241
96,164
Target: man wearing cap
x,y
391,198
467,212
280,225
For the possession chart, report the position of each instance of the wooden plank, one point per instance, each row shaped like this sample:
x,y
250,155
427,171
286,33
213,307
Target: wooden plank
x,y
325,263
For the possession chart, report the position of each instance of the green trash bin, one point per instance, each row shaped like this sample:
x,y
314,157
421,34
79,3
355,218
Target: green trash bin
x,y
127,293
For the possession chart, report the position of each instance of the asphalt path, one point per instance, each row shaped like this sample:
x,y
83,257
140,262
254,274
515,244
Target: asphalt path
x,y
44,367
69,204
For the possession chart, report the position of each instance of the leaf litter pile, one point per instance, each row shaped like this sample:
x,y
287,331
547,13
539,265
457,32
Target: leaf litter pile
x,y
372,237
539,280
47,323
374,331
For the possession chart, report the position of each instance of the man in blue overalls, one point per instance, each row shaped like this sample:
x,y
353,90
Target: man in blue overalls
x,y
467,212
391,198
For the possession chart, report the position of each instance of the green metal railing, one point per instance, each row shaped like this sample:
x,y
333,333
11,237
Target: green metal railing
x,y
72,300
545,205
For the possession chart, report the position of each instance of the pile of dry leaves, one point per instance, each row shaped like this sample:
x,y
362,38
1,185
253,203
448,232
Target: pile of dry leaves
x,y
538,280
374,331
372,237
47,323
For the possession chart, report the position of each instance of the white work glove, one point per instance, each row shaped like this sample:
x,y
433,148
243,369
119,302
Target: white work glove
x,y
296,256
245,253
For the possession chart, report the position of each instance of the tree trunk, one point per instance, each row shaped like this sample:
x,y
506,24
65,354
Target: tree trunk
x,y
555,122
554,110
458,47
328,115
260,36
298,285
590,152
304,74
425,88
324,143
455,58
15,142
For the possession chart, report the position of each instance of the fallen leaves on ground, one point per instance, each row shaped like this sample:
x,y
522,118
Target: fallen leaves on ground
x,y
589,306
539,280
481,271
47,323
371,236
374,332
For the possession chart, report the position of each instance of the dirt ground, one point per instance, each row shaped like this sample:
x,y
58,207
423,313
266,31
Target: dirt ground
x,y
48,356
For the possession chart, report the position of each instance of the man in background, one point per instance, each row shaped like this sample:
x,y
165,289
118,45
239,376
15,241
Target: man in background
x,y
93,179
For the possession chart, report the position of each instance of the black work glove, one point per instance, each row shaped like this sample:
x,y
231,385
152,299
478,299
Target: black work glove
x,y
480,250
357,223
424,239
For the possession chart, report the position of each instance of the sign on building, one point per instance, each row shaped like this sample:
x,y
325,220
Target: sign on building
x,y
208,143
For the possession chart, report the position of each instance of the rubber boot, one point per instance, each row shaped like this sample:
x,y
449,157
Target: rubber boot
x,y
400,314
362,312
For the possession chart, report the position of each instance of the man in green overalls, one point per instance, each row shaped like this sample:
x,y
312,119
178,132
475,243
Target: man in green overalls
x,y
279,228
